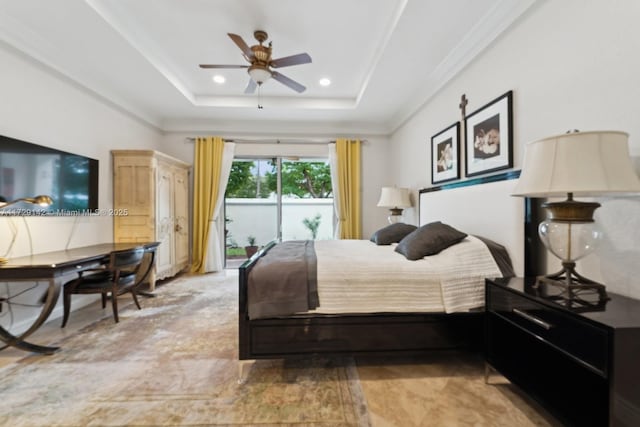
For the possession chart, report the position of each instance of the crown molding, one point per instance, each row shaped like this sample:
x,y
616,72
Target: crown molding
x,y
18,39
281,128
497,20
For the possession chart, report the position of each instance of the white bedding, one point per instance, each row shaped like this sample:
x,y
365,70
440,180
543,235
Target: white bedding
x,y
357,276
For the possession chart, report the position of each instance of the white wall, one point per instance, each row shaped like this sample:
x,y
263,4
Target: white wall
x,y
572,64
39,107
375,163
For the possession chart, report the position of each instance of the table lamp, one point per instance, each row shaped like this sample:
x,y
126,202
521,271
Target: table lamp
x,y
41,200
396,199
575,164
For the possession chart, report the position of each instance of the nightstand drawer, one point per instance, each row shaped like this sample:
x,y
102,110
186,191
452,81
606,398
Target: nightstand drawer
x,y
585,342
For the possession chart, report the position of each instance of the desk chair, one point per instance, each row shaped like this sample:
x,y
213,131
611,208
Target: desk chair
x,y
117,278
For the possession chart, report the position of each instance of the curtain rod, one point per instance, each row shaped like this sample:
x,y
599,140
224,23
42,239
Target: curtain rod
x,y
273,141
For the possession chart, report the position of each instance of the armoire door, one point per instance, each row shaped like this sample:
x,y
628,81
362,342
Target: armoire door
x,y
181,217
134,179
164,221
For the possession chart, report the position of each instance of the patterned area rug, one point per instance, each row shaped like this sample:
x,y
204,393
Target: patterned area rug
x,y
174,363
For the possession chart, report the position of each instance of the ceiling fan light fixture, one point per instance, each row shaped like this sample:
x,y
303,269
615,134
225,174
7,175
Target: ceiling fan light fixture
x,y
261,64
259,73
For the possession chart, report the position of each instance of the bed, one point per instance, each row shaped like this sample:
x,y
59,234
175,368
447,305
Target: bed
x,y
336,330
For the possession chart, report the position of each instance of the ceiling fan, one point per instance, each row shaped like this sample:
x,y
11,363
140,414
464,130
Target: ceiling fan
x,y
261,64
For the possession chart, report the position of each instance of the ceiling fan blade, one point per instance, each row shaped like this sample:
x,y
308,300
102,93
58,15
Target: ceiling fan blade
x,y
242,45
287,61
288,82
222,66
251,86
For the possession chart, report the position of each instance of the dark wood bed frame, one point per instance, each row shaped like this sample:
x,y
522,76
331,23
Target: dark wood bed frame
x,y
374,334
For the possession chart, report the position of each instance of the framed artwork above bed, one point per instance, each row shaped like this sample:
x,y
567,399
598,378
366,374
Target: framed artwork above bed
x,y
489,137
445,155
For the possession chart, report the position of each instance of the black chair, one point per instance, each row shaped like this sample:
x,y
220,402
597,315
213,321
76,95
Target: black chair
x,y
117,278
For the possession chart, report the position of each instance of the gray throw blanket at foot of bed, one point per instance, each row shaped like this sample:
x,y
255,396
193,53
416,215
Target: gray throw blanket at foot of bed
x,y
284,280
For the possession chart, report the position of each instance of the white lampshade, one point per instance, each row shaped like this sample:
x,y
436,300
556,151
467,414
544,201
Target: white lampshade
x,y
393,197
575,164
259,73
582,163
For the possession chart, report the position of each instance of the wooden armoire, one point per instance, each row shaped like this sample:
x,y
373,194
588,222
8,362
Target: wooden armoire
x,y
153,189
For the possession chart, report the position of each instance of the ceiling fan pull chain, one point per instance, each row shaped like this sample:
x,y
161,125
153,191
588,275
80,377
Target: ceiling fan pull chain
x,y
259,96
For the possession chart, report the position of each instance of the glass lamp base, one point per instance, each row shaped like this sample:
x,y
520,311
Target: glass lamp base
x,y
571,234
574,285
395,215
394,219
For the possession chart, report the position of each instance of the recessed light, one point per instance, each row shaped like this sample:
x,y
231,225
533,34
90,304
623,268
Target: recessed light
x,y
219,79
325,82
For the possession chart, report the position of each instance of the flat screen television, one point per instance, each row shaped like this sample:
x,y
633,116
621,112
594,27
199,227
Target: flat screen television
x,y
28,170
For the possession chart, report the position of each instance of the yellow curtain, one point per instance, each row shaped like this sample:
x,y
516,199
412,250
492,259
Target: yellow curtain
x,y
348,161
208,164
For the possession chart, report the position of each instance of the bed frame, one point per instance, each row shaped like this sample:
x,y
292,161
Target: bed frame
x,y
401,333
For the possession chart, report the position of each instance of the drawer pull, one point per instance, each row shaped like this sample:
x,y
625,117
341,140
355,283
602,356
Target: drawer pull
x,y
533,319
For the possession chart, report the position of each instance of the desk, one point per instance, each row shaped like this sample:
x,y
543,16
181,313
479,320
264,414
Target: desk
x,y
52,266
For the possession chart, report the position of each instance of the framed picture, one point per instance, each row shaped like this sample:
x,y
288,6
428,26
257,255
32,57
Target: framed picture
x,y
445,155
489,137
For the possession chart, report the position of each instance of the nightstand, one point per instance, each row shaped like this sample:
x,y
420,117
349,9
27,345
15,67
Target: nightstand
x,y
583,367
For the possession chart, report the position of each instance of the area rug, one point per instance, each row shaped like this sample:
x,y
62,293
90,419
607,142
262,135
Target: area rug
x,y
174,363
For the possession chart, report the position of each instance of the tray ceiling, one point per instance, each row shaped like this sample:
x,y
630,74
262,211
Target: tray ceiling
x,y
385,58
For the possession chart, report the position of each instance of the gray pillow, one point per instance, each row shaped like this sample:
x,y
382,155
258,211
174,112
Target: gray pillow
x,y
429,240
392,233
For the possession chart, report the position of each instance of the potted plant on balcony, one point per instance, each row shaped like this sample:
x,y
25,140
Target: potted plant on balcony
x,y
312,225
252,248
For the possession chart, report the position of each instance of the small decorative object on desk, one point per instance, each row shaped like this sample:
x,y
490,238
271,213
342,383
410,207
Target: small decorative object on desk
x,y
42,200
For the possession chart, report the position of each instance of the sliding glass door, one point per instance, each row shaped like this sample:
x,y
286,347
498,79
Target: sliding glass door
x,y
251,209
307,200
276,198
